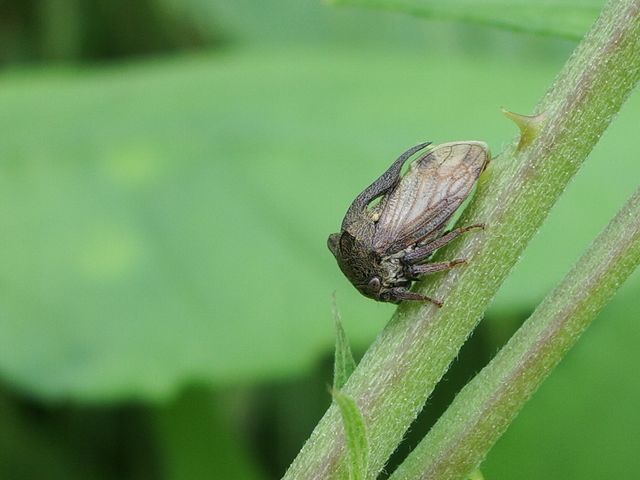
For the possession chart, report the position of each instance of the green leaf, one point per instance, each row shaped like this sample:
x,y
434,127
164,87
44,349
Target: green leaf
x,y
569,19
151,239
344,363
356,434
476,475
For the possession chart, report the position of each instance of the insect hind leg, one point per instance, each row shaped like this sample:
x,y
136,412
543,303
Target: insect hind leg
x,y
424,251
400,294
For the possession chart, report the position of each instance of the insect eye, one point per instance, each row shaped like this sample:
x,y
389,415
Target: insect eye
x,y
374,284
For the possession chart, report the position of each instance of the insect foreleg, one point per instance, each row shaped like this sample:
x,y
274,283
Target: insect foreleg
x,y
423,251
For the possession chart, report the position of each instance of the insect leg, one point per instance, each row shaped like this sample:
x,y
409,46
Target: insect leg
x,y
398,294
417,271
423,251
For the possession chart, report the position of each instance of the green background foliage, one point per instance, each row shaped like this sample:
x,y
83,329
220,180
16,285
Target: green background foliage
x,y
164,266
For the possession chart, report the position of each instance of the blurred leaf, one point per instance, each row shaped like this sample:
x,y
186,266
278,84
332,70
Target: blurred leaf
x,y
28,449
356,435
344,364
65,442
71,30
566,19
166,223
585,412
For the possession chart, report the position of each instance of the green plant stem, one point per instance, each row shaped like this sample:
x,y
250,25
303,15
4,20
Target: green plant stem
x,y
402,367
486,406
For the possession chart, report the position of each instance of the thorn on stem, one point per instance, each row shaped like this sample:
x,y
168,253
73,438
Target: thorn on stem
x,y
529,125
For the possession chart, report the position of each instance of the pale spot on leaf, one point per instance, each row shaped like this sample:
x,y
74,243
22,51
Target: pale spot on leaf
x,y
110,253
134,166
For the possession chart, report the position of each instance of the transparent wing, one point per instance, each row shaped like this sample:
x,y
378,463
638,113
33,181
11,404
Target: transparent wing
x,y
429,194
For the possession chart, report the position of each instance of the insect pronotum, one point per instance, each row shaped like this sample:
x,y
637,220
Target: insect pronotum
x,y
383,248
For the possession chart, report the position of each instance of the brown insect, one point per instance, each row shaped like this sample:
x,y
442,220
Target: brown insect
x,y
383,248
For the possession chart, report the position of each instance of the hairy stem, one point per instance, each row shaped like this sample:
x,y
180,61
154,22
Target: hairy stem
x,y
486,406
402,367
